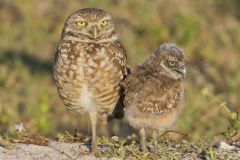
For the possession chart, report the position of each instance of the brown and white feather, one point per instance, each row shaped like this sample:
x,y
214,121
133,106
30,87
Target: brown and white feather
x,y
89,65
152,94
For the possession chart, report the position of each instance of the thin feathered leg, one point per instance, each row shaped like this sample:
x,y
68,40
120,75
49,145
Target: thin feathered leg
x,y
103,130
143,139
93,118
155,141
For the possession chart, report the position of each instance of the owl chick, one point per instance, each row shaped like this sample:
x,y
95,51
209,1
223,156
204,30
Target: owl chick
x,y
154,90
89,65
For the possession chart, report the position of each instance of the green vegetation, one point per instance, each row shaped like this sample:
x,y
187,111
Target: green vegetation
x,y
208,31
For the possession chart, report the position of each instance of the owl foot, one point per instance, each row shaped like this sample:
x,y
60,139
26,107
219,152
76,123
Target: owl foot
x,y
143,139
95,151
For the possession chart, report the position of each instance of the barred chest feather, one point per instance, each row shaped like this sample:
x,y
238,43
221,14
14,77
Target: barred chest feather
x,y
88,75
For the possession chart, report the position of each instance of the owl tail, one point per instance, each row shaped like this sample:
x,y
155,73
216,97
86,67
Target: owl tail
x,y
118,112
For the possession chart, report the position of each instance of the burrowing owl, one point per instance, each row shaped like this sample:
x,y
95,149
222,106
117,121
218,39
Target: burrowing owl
x,y
89,65
153,91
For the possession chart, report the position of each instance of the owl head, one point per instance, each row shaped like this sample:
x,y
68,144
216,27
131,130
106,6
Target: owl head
x,y
168,60
89,24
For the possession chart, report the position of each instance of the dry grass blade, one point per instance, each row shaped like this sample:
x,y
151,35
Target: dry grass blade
x,y
31,139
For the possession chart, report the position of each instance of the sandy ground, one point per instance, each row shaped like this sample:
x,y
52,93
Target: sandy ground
x,y
55,151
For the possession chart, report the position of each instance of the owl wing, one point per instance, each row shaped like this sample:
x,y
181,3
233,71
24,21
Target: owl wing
x,y
133,85
61,46
159,95
56,54
56,65
120,59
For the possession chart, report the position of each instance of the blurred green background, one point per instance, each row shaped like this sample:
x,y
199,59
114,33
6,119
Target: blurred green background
x,y
208,31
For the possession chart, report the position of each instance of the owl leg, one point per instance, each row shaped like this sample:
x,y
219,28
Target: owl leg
x,y
155,141
93,118
143,139
103,129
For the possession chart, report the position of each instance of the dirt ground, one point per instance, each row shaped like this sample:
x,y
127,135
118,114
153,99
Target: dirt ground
x,y
54,151
116,150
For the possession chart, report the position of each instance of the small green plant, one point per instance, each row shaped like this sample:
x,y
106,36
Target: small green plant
x,y
211,153
6,143
233,115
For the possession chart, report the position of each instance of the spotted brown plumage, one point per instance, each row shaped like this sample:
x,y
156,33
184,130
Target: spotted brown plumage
x,y
89,65
153,91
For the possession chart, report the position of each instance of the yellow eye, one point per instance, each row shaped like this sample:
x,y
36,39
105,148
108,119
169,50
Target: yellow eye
x,y
81,24
104,23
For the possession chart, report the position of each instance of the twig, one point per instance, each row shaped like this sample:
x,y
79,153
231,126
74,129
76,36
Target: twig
x,y
69,135
169,131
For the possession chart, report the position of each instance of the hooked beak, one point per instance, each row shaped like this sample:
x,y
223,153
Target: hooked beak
x,y
93,32
182,71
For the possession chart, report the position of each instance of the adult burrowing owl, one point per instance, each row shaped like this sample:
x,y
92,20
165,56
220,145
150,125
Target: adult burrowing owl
x,y
89,65
154,90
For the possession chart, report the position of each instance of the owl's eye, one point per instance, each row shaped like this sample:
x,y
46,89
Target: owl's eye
x,y
81,24
104,23
172,63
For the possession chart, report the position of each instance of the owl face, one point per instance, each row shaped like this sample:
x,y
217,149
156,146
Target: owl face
x,y
89,24
169,61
